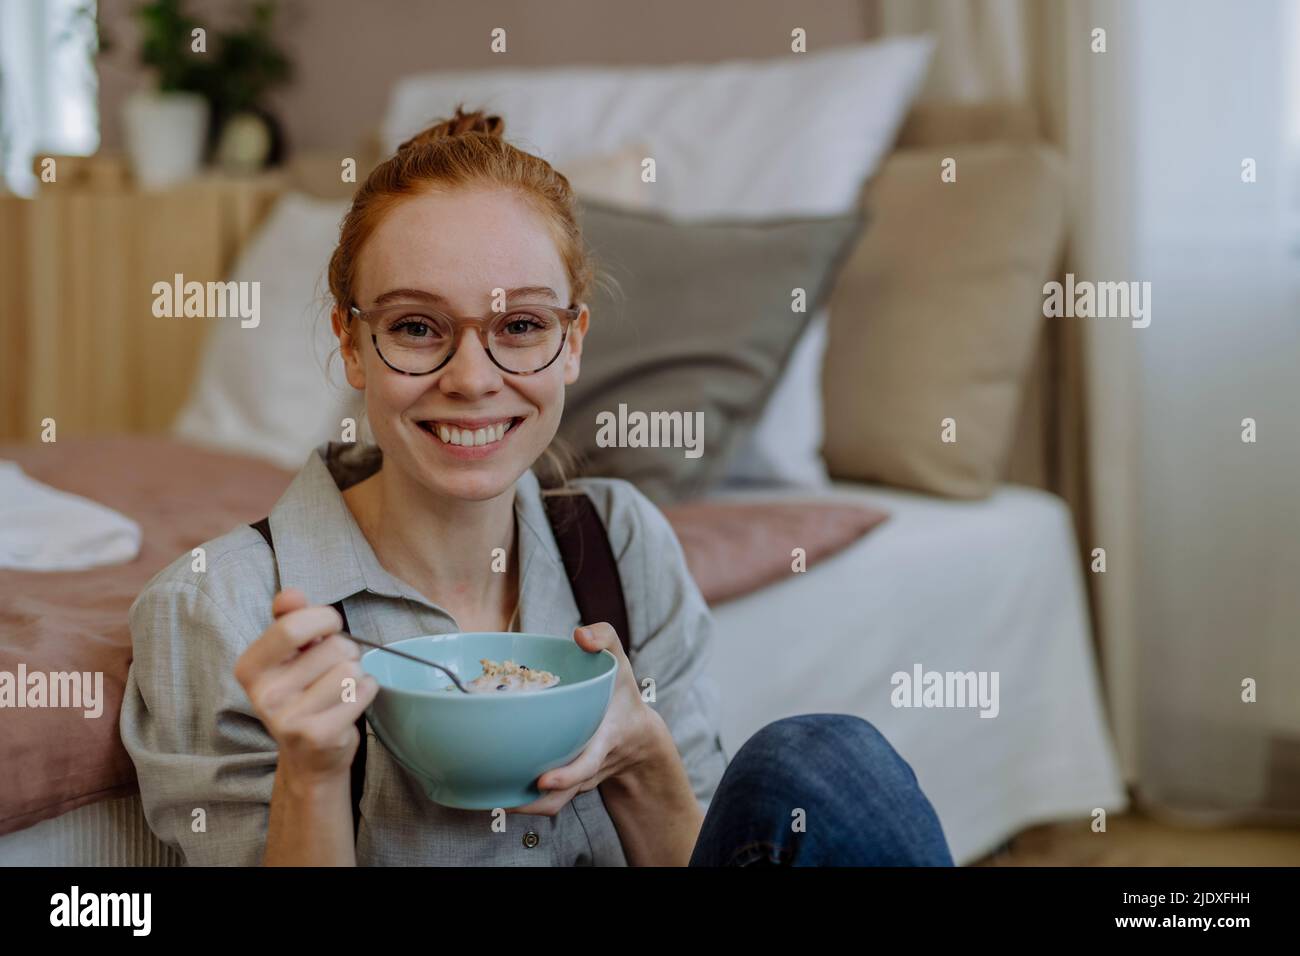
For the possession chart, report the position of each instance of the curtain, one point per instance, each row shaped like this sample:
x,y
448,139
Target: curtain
x,y
984,51
1034,52
1202,537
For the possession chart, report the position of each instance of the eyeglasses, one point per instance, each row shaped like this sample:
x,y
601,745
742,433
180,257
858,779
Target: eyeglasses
x,y
419,340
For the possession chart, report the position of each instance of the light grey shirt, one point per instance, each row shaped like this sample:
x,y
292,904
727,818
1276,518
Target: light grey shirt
x,y
197,744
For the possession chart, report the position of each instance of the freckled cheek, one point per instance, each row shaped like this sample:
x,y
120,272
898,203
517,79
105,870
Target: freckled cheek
x,y
547,396
387,397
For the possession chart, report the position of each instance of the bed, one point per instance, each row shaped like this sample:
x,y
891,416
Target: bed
x,y
989,585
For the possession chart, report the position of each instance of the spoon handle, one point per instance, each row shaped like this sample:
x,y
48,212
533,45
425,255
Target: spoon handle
x,y
410,657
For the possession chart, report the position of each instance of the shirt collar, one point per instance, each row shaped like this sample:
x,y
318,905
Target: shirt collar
x,y
320,548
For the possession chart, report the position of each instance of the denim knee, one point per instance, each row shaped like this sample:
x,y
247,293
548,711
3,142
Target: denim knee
x,y
844,774
816,739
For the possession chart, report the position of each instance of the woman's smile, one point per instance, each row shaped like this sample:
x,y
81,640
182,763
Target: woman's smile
x,y
471,439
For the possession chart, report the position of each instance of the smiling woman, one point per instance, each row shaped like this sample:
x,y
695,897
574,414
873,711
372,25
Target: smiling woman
x,y
441,527
501,241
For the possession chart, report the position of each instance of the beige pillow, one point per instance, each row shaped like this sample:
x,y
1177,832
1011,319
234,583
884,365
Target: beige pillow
x,y
937,315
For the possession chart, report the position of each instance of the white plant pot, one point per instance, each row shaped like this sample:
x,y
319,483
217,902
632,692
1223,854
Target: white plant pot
x,y
165,135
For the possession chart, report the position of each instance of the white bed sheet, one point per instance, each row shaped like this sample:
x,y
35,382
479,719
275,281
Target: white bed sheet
x,y
992,585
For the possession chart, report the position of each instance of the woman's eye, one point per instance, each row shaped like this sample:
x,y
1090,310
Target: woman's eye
x,y
522,324
413,328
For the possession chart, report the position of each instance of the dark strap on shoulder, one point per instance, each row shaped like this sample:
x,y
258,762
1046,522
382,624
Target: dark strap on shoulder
x,y
589,561
263,528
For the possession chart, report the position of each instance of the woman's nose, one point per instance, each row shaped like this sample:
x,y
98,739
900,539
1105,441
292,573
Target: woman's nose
x,y
470,370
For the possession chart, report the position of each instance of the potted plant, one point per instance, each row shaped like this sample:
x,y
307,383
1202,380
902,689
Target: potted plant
x,y
248,65
166,127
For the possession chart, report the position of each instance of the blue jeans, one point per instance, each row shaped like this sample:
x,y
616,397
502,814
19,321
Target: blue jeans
x,y
861,802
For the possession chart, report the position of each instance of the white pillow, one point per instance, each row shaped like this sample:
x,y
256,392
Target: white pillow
x,y
785,446
263,390
796,135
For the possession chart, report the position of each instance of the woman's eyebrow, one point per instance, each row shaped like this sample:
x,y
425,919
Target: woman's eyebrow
x,y
522,292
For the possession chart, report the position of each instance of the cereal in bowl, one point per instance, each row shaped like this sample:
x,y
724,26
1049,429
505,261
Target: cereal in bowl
x,y
509,676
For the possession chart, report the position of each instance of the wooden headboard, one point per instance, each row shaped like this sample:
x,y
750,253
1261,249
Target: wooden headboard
x,y
77,266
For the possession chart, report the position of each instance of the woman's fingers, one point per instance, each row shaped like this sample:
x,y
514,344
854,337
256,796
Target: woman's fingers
x,y
602,636
596,637
585,766
585,772
350,710
282,683
283,639
548,805
324,739
305,683
341,684
290,599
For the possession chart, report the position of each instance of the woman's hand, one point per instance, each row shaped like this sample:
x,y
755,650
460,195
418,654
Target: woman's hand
x,y
295,674
631,736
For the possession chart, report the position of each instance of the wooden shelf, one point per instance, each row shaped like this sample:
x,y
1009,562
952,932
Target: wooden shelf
x,y
77,267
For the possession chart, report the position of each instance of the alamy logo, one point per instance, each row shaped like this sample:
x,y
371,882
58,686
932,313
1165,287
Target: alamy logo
x,y
1102,300
208,300
923,688
102,909
651,430
75,689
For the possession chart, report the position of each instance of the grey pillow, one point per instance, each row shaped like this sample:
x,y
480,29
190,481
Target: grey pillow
x,y
698,331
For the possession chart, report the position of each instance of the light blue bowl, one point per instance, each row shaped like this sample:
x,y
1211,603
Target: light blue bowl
x,y
482,751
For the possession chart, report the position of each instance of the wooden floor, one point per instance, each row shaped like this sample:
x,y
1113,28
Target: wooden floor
x,y
1138,840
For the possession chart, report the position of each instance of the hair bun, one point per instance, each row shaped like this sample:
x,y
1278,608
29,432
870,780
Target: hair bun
x,y
459,124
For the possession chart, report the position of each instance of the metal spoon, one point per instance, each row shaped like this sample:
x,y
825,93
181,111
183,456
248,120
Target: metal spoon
x,y
411,657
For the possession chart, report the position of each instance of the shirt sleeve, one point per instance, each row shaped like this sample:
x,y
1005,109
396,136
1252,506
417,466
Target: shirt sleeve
x,y
205,762
672,636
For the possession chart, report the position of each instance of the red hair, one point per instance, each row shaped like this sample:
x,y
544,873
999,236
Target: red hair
x,y
467,150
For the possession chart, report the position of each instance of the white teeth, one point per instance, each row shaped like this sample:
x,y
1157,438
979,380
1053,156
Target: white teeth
x,y
469,438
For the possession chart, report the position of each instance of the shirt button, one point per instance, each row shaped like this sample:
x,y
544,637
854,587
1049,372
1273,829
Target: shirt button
x,y
531,839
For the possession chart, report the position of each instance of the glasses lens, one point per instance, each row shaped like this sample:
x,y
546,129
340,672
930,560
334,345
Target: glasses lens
x,y
526,339
415,342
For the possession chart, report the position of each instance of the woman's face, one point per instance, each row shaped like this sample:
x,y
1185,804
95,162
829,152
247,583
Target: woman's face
x,y
460,246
